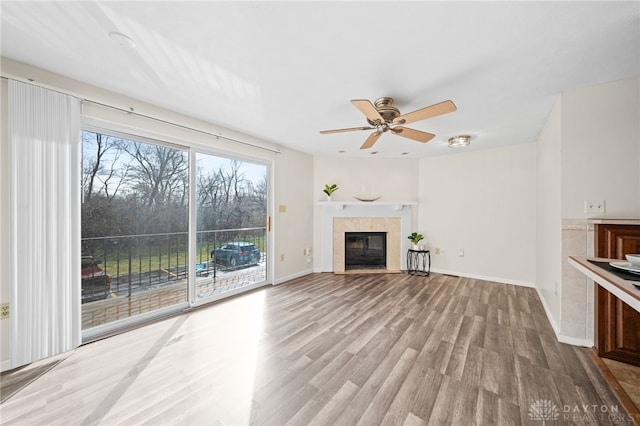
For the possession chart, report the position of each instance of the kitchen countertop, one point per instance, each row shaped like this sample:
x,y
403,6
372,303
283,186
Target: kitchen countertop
x,y
621,288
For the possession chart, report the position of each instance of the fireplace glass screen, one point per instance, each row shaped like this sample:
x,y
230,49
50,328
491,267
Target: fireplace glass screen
x,y
365,250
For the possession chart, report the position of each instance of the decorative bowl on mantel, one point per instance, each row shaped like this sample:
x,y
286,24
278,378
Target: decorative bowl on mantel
x,y
366,199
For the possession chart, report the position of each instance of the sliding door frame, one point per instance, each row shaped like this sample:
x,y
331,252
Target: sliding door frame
x,y
193,300
192,149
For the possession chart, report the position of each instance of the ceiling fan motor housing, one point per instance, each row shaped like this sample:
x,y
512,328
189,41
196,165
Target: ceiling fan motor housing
x,y
385,108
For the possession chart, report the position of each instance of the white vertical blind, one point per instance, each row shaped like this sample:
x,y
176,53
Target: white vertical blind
x,y
44,146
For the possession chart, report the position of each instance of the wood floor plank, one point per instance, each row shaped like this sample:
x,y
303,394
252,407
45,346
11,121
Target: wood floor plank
x,y
413,420
458,356
405,398
465,404
445,407
311,408
386,392
425,398
336,405
327,349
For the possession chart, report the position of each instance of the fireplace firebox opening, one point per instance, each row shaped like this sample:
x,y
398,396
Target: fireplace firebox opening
x,y
365,250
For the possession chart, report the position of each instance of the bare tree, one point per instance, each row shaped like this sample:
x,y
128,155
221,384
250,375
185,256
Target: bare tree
x,y
93,163
133,187
159,173
103,172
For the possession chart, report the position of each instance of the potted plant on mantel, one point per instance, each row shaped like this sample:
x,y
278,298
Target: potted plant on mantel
x,y
330,189
415,238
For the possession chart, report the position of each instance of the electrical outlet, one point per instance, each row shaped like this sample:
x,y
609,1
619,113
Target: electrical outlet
x,y
282,257
437,250
591,206
460,253
306,252
4,311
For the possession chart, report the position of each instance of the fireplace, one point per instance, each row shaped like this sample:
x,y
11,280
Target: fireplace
x,y
388,226
365,250
339,217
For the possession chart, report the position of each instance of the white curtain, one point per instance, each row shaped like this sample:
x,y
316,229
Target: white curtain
x,y
44,146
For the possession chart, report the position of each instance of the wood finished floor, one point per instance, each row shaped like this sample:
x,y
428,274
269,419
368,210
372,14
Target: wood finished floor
x,y
332,350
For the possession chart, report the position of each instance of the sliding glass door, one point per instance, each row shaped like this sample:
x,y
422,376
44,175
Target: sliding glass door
x,y
135,206
231,217
138,256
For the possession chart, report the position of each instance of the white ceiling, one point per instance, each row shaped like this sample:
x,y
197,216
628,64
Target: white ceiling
x,y
282,71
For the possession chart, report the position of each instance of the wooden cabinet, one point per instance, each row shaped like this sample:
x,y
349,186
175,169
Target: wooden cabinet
x,y
617,324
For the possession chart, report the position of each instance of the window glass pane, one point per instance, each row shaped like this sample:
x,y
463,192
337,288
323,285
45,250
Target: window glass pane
x,y
134,227
231,221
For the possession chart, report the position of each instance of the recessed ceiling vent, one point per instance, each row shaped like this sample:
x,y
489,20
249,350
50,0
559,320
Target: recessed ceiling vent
x,y
123,40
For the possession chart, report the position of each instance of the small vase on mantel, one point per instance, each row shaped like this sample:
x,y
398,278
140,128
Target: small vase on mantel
x,y
328,197
414,247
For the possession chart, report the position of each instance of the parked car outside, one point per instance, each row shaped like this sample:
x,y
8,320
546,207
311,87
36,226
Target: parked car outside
x,y
236,254
96,284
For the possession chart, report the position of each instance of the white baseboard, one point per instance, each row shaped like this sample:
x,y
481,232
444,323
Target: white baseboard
x,y
574,341
292,276
554,325
5,365
562,338
483,277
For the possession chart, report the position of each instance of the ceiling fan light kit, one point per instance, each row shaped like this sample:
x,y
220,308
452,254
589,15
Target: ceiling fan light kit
x,y
383,117
459,141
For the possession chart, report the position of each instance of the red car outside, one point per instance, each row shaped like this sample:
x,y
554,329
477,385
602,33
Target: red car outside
x,y
96,284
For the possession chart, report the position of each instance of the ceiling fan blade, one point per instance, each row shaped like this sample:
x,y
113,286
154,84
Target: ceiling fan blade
x,y
416,135
373,138
427,112
367,108
351,129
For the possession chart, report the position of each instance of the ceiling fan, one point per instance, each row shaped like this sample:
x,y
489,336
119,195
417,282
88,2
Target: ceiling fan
x,y
384,117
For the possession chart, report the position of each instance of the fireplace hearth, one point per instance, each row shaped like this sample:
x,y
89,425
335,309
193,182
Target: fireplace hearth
x,y
365,250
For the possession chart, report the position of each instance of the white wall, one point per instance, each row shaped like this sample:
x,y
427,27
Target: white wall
x,y
599,161
482,202
548,215
600,149
390,179
293,218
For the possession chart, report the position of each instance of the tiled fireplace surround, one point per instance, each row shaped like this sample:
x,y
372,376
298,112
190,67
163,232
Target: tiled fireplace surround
x,y
394,218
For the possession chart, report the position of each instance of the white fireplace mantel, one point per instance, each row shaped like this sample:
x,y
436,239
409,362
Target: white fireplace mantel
x,y
363,209
341,205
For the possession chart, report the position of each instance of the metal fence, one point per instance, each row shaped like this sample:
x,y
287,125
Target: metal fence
x,y
141,262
